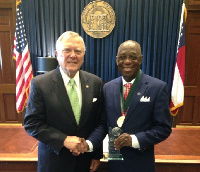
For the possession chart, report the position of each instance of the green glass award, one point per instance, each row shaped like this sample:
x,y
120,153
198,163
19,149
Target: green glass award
x,y
112,153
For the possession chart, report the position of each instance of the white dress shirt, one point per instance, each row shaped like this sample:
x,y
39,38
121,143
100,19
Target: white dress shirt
x,y
135,143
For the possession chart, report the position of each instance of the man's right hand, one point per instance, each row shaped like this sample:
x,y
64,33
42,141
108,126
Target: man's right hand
x,y
83,148
73,144
76,145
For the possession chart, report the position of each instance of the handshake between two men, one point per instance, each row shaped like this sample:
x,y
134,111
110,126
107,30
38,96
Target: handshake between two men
x,y
76,145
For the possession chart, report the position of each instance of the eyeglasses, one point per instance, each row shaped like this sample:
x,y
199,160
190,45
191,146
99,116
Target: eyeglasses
x,y
124,57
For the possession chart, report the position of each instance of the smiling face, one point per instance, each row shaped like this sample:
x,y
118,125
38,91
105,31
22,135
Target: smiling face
x,y
129,58
70,55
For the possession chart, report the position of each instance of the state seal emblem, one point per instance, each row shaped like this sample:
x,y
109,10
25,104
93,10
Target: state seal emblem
x,y
98,19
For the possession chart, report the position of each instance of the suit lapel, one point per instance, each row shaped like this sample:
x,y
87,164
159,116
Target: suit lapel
x,y
117,89
61,92
86,97
138,93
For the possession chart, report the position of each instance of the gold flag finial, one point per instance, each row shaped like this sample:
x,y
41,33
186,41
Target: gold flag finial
x,y
18,2
185,10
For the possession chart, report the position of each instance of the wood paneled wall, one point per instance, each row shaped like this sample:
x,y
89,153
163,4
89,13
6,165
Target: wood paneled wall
x,y
7,64
189,114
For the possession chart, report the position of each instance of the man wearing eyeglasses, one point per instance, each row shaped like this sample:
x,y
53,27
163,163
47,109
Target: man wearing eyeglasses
x,y
137,108
63,109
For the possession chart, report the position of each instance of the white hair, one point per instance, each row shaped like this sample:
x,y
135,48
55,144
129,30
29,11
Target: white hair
x,y
66,35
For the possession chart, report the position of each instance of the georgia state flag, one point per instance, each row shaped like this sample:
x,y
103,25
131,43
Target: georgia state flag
x,y
177,93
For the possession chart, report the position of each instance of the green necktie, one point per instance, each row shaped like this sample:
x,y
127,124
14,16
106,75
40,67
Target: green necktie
x,y
73,96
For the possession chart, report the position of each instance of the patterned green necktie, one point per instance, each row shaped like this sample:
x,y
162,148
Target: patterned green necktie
x,y
73,96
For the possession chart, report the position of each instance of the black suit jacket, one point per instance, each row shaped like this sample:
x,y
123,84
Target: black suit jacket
x,y
50,119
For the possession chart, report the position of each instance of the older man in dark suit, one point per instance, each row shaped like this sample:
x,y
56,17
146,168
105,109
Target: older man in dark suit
x,y
142,113
63,109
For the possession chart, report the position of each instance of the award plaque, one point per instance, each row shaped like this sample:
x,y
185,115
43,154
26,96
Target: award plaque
x,y
112,153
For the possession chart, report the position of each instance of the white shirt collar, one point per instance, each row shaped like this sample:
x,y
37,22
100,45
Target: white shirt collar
x,y
66,78
124,82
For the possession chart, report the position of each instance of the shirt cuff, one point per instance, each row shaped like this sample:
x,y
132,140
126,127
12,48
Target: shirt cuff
x,y
135,143
90,145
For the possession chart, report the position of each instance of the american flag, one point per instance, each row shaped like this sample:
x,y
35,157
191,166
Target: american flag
x,y
21,54
177,93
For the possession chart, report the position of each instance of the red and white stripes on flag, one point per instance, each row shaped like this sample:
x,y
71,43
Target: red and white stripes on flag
x,y
177,93
21,54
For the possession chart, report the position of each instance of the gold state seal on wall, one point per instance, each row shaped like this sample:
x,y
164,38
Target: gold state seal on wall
x,y
98,19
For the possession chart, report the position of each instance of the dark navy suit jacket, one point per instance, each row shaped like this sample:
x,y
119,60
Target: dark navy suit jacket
x,y
50,119
148,118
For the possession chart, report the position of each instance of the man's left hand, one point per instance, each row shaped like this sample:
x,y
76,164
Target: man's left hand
x,y
123,140
94,165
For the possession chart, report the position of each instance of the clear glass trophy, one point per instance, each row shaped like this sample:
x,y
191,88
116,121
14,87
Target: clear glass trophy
x,y
112,153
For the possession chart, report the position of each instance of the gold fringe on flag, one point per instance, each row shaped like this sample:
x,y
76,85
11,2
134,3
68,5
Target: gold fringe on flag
x,y
18,2
185,16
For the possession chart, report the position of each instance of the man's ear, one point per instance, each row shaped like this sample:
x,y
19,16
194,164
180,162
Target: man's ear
x,y
116,60
140,59
56,53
